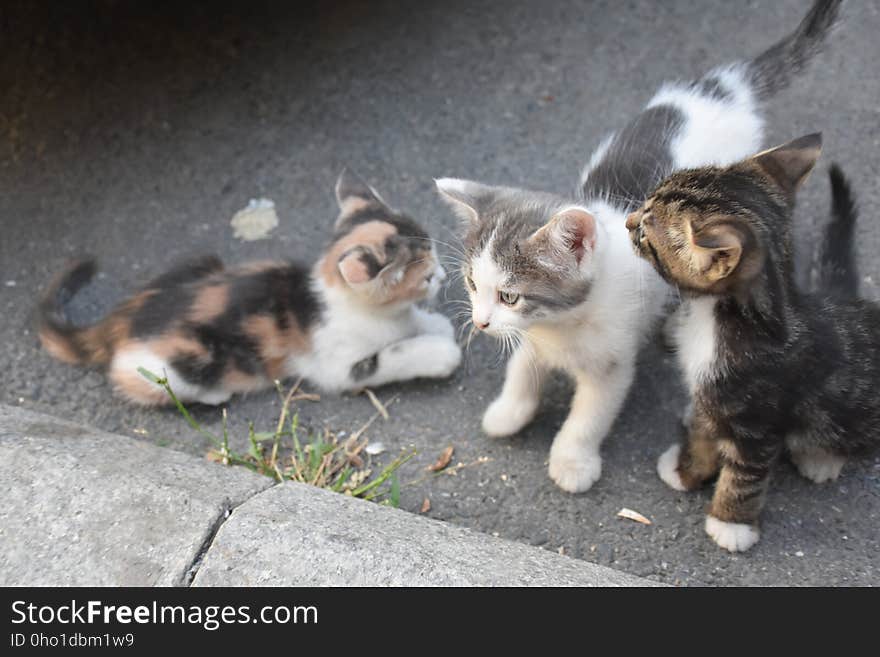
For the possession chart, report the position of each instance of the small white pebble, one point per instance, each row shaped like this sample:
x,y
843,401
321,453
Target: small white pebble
x,y
798,554
375,448
10,283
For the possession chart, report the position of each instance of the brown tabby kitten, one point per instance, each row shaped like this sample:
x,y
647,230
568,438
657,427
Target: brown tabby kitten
x,y
348,322
769,368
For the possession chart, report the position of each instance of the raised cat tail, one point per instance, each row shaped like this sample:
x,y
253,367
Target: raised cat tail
x,y
774,69
66,342
838,273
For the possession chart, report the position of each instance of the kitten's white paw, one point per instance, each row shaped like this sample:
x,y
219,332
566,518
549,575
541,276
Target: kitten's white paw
x,y
505,417
444,359
667,468
574,474
732,536
818,467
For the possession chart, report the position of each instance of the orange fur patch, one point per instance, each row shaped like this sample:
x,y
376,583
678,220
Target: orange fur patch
x,y
59,346
238,381
210,302
371,234
275,345
413,286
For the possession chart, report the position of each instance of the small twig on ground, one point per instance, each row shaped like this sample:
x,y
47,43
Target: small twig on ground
x,y
375,401
357,434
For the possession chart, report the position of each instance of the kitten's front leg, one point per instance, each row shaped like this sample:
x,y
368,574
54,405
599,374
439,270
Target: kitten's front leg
x,y
575,464
520,396
732,521
424,356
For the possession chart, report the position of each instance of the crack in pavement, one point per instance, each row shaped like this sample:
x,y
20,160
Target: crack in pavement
x,y
226,510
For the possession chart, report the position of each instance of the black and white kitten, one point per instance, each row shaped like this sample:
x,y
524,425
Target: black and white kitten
x,y
557,274
769,368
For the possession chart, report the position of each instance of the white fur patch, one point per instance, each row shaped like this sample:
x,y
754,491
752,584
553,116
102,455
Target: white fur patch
x,y
574,472
818,467
695,339
667,468
129,360
732,536
596,157
488,278
717,131
505,416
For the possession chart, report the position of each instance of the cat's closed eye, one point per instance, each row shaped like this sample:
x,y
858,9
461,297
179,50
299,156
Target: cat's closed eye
x,y
470,283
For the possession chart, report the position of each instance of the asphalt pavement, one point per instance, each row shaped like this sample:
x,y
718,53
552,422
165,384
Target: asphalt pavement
x,y
135,131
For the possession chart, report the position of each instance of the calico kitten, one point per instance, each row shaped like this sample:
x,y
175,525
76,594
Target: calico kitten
x,y
769,368
349,322
558,274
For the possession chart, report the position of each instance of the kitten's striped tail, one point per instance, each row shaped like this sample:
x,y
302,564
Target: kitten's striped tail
x,y
66,342
838,272
774,69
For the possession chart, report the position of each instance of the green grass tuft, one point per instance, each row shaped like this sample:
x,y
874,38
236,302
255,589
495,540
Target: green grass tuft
x,y
319,459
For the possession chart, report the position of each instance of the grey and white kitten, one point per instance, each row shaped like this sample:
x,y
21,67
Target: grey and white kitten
x,y
558,274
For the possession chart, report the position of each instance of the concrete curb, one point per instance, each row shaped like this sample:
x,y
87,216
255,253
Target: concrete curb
x,y
84,507
298,535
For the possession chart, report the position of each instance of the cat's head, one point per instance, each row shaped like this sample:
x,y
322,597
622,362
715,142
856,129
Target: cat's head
x,y
713,229
379,255
528,256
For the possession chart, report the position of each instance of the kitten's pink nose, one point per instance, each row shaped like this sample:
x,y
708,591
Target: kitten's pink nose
x,y
482,325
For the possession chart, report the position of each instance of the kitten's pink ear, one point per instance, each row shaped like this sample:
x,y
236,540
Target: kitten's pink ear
x,y
358,266
717,251
571,232
790,164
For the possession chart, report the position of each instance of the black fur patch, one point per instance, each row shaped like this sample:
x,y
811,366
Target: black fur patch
x,y
277,292
638,158
712,87
773,69
365,368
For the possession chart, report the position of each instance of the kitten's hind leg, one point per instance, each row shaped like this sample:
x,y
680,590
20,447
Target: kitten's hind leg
x,y
814,463
424,356
516,405
732,521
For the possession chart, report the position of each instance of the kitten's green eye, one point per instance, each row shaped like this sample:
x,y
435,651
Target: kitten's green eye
x,y
508,298
470,283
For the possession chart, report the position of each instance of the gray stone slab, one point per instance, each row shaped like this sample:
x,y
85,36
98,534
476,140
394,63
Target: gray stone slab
x,y
84,507
297,535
